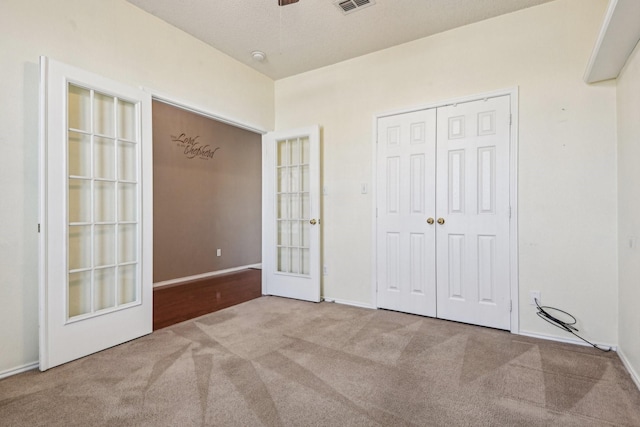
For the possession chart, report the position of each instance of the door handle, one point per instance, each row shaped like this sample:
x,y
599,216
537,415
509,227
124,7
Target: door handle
x,y
430,221
440,221
314,222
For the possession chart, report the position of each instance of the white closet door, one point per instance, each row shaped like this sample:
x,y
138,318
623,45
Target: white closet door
x,y
406,207
96,247
473,212
291,219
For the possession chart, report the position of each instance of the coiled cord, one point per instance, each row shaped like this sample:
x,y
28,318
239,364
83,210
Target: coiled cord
x,y
567,326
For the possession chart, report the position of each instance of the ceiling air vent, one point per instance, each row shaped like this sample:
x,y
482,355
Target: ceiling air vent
x,y
349,6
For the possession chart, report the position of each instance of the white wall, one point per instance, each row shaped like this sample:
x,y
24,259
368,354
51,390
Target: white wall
x,y
629,211
567,150
119,41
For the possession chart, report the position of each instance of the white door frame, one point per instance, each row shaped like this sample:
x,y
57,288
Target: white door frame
x,y
513,191
202,111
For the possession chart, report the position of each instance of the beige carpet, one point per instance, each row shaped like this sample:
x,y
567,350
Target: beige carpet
x,y
279,362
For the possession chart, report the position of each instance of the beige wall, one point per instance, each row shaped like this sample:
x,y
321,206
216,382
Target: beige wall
x,y
567,150
119,41
629,210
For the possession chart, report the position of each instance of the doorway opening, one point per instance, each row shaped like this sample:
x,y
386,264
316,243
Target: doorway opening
x,y
207,210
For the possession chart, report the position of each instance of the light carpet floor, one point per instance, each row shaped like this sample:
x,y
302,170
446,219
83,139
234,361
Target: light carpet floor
x,y
280,362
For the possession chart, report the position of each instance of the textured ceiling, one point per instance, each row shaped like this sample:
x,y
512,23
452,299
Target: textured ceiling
x,y
314,33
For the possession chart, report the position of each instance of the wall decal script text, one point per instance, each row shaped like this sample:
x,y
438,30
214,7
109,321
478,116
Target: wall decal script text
x,y
194,148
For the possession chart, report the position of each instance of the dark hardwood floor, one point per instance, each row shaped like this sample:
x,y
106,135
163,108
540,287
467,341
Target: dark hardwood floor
x,y
177,303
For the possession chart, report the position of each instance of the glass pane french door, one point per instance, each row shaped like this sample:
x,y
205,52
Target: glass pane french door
x,y
103,213
293,206
96,283
291,213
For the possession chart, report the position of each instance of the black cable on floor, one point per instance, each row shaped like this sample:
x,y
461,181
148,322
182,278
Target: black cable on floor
x,y
567,326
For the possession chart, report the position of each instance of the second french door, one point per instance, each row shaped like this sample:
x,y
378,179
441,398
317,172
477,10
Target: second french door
x,y
291,216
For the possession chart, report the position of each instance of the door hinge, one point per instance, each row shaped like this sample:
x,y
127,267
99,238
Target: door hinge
x,y
510,119
509,212
510,305
38,228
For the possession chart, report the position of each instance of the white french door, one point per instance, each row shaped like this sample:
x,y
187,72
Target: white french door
x,y
443,212
96,230
291,218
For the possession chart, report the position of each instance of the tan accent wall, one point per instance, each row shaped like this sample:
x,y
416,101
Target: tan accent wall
x,y
206,194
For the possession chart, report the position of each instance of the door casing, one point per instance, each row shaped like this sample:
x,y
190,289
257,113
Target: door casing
x,y
513,191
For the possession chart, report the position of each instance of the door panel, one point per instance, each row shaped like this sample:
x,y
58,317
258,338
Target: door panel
x,y
96,285
292,214
406,199
473,201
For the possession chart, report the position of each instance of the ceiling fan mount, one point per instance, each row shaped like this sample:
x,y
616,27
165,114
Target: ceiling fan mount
x,y
286,2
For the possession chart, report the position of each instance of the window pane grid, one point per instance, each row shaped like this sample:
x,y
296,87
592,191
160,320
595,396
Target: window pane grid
x,y
292,206
103,218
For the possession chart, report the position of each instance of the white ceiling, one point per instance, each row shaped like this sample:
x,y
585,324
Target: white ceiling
x,y
314,33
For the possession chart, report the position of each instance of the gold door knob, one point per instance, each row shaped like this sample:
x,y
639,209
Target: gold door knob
x,y
430,221
440,221
313,222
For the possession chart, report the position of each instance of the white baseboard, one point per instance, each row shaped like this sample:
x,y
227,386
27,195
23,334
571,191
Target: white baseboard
x,y
205,275
625,361
347,302
564,340
18,370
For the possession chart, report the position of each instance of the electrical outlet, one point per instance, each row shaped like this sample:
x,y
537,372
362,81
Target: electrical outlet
x,y
533,296
219,252
325,270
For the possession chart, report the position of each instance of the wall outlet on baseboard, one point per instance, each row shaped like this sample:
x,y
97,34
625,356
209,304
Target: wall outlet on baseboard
x,y
533,296
219,252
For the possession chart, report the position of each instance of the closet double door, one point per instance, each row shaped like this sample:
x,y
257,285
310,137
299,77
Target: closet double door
x,y
443,212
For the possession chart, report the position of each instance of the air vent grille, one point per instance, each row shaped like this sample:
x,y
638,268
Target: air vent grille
x,y
349,6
